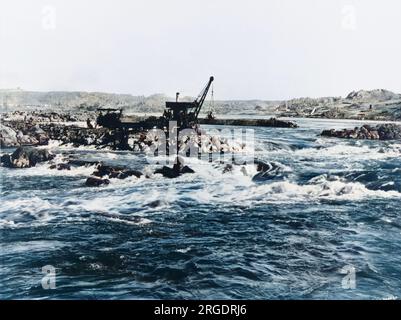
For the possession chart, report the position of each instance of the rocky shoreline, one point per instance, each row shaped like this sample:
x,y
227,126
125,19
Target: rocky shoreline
x,y
387,131
31,132
28,157
38,128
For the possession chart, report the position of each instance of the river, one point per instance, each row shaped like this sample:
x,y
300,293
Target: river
x,y
333,208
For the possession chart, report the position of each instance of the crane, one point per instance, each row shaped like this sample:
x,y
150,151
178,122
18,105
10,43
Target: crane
x,y
201,98
186,113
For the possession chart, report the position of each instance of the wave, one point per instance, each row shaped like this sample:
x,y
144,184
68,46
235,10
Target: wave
x,y
358,151
322,187
34,211
44,170
24,211
339,149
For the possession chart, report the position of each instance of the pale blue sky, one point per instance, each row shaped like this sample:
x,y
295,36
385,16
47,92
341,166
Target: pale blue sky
x,y
255,49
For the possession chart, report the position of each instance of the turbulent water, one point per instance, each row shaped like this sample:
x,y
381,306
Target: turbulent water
x,y
329,204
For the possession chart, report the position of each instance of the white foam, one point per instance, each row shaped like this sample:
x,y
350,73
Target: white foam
x,y
356,151
28,204
288,191
43,169
12,211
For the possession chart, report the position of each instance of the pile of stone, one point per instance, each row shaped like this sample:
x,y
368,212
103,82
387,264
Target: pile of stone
x,y
388,131
25,157
37,116
12,136
26,134
77,136
37,128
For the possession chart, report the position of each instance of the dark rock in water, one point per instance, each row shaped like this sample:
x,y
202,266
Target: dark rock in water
x,y
83,163
387,131
179,166
156,203
61,166
129,173
187,169
168,172
177,170
262,166
267,170
96,182
5,160
104,170
26,157
228,168
115,172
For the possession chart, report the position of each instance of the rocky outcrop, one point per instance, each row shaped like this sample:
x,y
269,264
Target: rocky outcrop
x,y
177,170
26,157
5,160
22,134
387,131
77,136
267,170
82,163
96,182
8,137
97,177
115,172
35,129
373,95
228,168
60,166
376,104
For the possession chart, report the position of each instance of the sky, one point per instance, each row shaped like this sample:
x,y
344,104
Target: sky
x,y
267,49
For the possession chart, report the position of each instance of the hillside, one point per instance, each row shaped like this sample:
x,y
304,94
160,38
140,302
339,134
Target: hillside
x,y
377,104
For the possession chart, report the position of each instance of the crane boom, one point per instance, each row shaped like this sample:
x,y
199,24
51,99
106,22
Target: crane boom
x,y
201,98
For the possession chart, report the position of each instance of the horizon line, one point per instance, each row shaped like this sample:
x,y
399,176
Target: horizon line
x,y
19,89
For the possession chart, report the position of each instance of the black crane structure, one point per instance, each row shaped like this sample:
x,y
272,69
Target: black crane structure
x,y
185,114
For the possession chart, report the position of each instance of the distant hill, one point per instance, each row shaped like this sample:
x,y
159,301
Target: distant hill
x,y
17,99
374,95
12,99
377,104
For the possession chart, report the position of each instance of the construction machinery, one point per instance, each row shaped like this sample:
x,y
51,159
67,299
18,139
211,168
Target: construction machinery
x,y
184,113
109,117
